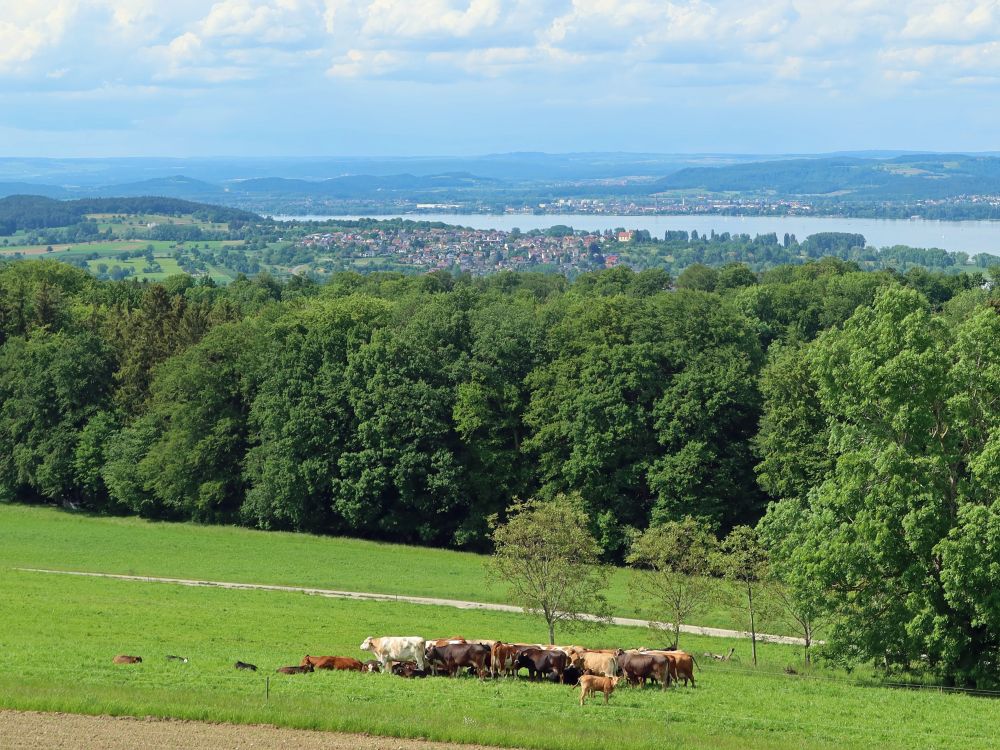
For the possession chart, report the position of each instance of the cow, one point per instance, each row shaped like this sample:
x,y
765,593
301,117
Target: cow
x,y
181,659
295,670
399,648
446,641
541,662
596,662
126,659
454,656
638,667
333,662
590,684
570,676
680,665
502,658
371,665
245,665
407,669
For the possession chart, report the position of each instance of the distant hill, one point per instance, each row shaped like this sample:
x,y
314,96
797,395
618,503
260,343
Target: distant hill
x,y
359,186
923,176
38,212
31,188
177,186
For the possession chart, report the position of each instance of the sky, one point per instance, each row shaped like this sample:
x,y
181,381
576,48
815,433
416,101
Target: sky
x,y
418,77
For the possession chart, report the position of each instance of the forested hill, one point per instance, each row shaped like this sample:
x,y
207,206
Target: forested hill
x,y
38,212
919,177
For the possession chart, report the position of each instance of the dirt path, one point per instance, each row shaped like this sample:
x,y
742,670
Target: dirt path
x,y
457,603
30,730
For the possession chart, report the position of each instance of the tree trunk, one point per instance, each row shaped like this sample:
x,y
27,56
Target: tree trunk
x,y
552,633
677,633
753,627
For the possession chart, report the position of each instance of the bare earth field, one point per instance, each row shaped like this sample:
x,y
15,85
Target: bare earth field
x,y
30,730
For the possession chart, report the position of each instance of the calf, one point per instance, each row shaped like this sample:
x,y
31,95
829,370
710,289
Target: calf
x,y
126,659
590,684
408,669
295,670
245,665
371,665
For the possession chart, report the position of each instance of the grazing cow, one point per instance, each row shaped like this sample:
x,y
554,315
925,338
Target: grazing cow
x,y
408,669
638,667
590,684
502,658
295,670
126,659
596,662
400,648
541,662
680,665
245,665
333,662
181,659
454,656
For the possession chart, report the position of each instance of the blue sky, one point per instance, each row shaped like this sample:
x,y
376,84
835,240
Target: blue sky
x,y
410,77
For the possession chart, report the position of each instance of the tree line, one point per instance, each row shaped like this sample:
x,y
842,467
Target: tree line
x,y
847,414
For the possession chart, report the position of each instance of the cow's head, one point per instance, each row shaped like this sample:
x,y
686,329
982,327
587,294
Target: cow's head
x,y
367,644
138,659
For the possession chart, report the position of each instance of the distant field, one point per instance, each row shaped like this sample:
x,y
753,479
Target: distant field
x,y
56,539
59,634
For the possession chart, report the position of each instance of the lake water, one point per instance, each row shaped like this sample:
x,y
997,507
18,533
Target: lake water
x,y
968,236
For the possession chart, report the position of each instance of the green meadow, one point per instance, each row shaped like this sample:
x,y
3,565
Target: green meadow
x,y
50,538
59,634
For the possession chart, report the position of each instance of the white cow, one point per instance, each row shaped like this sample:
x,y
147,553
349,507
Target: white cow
x,y
398,648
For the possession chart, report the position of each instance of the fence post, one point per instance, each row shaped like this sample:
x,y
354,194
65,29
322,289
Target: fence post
x,y
267,688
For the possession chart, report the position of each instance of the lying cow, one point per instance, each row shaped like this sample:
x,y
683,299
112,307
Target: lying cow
x,y
590,684
541,662
295,670
454,656
126,659
245,665
371,665
407,669
570,676
333,662
396,648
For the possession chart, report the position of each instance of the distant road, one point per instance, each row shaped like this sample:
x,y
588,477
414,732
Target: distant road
x,y
457,603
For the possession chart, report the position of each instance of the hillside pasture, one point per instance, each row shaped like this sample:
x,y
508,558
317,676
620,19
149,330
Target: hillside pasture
x,y
61,633
51,538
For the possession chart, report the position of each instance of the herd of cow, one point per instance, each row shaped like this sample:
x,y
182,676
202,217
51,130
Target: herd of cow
x,y
412,656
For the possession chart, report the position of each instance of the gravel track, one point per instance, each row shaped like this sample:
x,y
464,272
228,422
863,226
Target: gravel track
x,y
31,730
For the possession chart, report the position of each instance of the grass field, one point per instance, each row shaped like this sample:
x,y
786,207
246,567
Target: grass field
x,y
59,633
56,539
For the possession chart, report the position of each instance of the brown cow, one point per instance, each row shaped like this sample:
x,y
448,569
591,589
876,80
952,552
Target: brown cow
x,y
502,658
590,684
596,662
125,659
638,667
295,670
333,662
681,665
454,656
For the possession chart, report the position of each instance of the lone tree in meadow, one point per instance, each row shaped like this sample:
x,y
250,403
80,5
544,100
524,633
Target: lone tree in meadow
x,y
672,563
550,562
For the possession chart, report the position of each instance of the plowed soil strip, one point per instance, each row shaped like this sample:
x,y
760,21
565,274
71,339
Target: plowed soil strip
x,y
30,730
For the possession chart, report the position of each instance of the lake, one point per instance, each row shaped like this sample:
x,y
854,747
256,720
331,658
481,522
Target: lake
x,y
968,236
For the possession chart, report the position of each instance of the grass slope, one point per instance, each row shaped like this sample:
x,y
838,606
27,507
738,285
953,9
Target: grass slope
x,y
60,633
50,538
